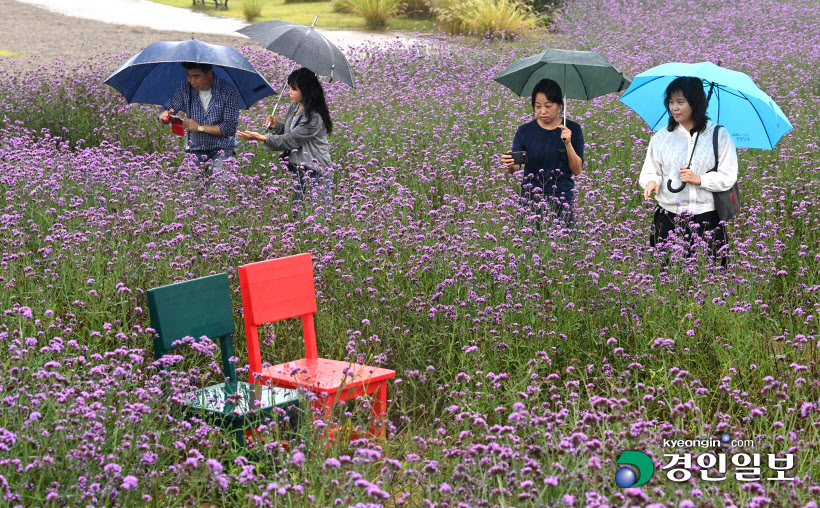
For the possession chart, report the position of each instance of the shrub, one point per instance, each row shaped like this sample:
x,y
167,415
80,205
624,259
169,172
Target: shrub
x,y
495,18
543,6
251,9
416,9
375,12
304,1
342,6
546,11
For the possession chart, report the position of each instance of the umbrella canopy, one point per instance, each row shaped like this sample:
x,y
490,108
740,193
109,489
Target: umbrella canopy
x,y
751,117
581,74
154,74
304,45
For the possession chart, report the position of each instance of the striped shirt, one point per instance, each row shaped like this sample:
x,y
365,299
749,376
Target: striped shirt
x,y
223,111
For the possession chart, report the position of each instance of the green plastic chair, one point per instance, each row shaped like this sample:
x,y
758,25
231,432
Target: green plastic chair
x,y
202,307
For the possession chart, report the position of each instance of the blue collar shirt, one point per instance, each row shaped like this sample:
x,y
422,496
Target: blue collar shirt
x,y
223,111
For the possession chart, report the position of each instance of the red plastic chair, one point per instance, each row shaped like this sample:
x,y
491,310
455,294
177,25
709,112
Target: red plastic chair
x,y
284,288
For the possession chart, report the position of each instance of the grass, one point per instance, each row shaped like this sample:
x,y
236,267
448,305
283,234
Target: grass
x,y
304,13
9,54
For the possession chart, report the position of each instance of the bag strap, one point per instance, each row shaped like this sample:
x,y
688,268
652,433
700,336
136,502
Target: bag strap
x,y
715,146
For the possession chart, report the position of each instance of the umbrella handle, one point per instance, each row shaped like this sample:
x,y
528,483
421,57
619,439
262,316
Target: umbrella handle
x,y
683,184
275,107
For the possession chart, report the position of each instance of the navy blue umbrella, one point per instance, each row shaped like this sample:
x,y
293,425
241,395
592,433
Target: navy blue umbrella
x,y
154,74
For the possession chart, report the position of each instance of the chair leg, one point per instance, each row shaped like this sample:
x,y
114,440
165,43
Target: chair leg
x,y
378,428
238,433
320,408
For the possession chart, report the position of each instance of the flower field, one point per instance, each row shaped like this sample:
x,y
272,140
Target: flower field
x,y
527,361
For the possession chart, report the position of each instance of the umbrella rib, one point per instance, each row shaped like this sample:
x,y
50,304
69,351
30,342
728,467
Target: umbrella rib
x,y
642,85
299,45
583,84
728,90
765,129
136,89
652,126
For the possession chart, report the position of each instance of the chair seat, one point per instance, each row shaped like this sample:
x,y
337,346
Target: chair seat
x,y
324,375
233,401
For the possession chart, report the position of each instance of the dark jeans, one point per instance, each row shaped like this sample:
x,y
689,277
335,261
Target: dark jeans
x,y
214,156
310,180
704,226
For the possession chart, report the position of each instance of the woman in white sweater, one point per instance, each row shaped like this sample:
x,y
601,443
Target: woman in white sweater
x,y
678,168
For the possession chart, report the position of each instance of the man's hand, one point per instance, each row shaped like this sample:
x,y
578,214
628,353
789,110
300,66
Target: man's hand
x,y
165,115
190,124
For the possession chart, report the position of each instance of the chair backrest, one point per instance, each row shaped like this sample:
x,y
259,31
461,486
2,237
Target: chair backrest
x,y
194,308
274,290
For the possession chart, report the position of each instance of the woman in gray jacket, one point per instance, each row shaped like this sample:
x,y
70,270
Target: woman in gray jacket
x,y
302,136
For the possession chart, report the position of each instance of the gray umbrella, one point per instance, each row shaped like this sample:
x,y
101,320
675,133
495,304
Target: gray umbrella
x,y
304,45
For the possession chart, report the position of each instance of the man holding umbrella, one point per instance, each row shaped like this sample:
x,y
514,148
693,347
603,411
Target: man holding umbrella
x,y
212,114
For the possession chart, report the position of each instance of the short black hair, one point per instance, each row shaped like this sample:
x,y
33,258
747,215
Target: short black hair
x,y
551,89
204,67
692,90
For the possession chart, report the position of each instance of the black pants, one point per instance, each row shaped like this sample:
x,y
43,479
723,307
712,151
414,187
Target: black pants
x,y
559,203
701,226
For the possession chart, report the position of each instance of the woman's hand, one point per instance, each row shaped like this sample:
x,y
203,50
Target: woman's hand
x,y
566,134
688,176
250,136
507,160
650,188
271,122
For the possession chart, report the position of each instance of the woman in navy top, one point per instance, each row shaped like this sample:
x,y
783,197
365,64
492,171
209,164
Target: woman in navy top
x,y
555,152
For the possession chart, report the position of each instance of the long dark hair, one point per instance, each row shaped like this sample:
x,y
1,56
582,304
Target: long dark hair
x,y
313,95
692,90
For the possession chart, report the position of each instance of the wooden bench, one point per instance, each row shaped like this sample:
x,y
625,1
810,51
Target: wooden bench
x,y
217,3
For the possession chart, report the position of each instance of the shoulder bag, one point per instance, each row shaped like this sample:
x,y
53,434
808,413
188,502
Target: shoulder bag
x,y
727,203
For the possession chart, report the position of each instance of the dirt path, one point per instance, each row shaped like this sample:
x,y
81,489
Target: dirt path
x,y
43,34
43,37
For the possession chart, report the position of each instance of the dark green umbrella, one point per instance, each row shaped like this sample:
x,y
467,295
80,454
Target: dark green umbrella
x,y
581,74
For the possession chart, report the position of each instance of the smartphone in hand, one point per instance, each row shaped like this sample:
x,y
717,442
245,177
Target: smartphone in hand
x,y
519,158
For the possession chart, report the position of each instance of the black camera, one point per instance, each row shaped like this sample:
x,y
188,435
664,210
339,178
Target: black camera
x,y
518,157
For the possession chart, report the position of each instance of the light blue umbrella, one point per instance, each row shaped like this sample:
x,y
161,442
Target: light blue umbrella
x,y
751,117
154,74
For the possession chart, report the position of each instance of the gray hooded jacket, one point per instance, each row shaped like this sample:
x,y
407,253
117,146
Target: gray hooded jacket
x,y
304,138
